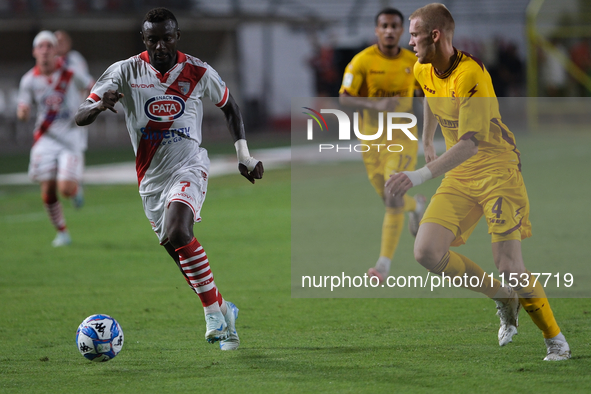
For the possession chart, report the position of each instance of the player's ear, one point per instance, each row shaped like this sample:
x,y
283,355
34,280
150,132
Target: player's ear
x,y
178,34
436,35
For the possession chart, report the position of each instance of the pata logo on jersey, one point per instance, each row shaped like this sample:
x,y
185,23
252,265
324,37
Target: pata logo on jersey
x,y
392,123
164,108
54,101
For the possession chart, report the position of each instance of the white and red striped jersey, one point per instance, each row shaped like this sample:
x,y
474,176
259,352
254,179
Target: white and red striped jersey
x,y
57,98
160,110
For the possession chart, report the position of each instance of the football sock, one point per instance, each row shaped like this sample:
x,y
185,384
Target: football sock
x,y
391,230
54,210
195,266
383,265
454,264
222,304
534,301
409,203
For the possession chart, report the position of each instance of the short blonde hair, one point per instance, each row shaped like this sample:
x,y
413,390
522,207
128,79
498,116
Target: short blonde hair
x,y
435,16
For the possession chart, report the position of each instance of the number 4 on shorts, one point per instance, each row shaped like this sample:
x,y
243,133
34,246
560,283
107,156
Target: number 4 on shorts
x,y
497,207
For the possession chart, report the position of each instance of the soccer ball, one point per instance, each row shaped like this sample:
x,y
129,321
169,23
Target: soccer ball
x,y
99,338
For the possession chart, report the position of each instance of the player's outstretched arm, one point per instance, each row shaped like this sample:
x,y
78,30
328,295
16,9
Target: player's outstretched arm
x,y
89,111
401,182
249,167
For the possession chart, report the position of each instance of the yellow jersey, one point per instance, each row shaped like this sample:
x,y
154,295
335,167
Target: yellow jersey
x,y
372,74
464,102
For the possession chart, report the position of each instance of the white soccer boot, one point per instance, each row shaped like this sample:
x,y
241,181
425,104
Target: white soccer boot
x,y
381,269
508,312
232,342
216,327
557,348
61,239
414,217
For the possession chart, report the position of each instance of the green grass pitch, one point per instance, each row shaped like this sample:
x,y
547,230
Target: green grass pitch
x,y
115,266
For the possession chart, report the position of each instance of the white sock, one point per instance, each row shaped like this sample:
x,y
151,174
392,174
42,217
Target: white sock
x,y
559,337
383,265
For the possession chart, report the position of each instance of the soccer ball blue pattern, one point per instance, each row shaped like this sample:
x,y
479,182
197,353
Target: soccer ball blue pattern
x,y
99,338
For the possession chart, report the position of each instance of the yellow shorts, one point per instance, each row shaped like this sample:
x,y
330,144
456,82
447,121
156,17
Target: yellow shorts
x,y
381,164
499,195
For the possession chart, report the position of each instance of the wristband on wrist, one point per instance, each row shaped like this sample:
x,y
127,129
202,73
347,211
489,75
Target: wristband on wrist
x,y
419,176
244,156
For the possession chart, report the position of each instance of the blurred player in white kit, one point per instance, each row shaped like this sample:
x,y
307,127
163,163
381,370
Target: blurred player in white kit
x,y
71,58
161,91
57,156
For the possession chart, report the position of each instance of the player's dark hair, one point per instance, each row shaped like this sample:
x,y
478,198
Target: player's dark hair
x,y
389,11
160,14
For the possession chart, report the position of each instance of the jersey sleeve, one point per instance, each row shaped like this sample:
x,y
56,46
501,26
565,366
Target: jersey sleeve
x,y
82,80
77,61
110,80
474,103
353,78
214,87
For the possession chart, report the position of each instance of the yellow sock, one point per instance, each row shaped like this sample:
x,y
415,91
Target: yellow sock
x,y
409,203
454,264
391,230
534,301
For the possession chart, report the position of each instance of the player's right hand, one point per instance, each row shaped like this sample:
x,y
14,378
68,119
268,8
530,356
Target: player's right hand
x,y
256,173
109,100
398,184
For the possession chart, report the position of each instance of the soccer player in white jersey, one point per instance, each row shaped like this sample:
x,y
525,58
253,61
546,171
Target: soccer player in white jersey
x,y
161,91
57,156
74,61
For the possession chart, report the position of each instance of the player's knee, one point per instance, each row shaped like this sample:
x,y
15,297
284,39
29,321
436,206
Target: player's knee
x,y
67,189
49,197
68,192
178,236
426,255
509,267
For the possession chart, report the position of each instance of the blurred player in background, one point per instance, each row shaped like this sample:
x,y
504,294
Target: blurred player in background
x,y
161,91
384,71
75,61
72,59
482,170
57,156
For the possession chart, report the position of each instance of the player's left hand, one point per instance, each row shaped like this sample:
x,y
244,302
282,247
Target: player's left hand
x,y
256,173
398,184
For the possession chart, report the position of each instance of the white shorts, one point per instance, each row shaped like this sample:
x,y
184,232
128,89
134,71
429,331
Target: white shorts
x,y
188,187
55,163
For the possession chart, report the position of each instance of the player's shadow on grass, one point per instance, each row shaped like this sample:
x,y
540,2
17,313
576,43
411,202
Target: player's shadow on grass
x,y
255,353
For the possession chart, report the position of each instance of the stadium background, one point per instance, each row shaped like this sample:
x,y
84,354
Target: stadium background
x,y
268,52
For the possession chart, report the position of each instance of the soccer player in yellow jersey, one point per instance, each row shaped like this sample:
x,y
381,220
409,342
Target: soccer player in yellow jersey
x,y
384,71
482,171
